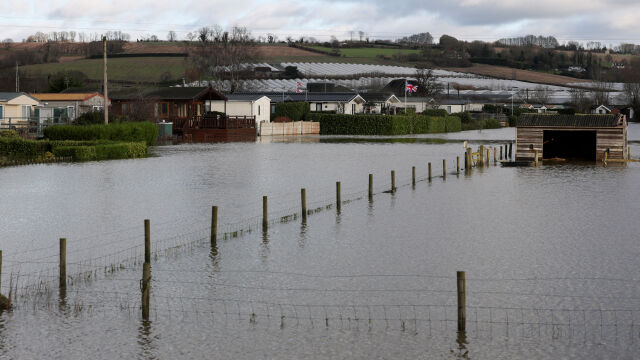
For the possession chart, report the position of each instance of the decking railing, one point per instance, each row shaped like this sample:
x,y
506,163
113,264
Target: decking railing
x,y
215,122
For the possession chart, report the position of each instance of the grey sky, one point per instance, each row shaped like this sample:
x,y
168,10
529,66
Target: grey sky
x,y
610,21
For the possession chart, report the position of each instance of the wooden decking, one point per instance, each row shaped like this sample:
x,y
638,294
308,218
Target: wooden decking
x,y
216,128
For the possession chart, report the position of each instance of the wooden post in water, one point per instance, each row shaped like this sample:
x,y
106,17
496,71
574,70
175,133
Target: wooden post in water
x,y
629,153
606,155
393,181
457,165
481,155
494,155
510,148
413,175
500,152
0,271
265,213
469,158
338,199
429,166
303,201
147,241
536,155
370,186
462,302
214,225
444,169
145,287
63,263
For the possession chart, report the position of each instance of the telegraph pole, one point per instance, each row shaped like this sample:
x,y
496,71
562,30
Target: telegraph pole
x,y
106,91
17,79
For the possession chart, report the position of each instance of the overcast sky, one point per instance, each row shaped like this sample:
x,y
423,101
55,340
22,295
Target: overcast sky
x,y
610,21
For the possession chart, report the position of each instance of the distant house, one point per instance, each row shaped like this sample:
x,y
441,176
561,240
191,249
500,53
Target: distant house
x,y
600,109
170,104
17,107
338,102
379,103
243,105
420,104
65,108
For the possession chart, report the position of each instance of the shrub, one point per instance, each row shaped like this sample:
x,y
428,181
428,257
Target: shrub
x,y
296,111
9,134
21,148
131,132
513,120
384,124
435,112
465,117
492,124
103,151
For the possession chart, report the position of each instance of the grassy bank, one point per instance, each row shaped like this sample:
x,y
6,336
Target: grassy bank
x,y
80,143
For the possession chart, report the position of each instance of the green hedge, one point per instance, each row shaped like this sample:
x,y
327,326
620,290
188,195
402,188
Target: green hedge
x,y
296,111
384,124
21,148
434,112
103,152
130,132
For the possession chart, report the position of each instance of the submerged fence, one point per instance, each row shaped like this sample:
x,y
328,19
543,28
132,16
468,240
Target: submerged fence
x,y
43,278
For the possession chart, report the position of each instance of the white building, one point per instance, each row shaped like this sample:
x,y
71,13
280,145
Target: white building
x,y
243,105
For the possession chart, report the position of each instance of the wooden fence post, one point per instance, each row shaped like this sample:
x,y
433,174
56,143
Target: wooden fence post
x,y
303,201
413,175
265,213
145,287
147,241
214,225
429,166
370,186
444,169
393,181
338,198
462,301
457,165
63,263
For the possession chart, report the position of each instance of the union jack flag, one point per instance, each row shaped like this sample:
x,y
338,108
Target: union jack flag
x,y
411,88
299,91
299,84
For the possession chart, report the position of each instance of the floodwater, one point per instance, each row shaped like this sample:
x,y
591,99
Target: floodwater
x,y
550,254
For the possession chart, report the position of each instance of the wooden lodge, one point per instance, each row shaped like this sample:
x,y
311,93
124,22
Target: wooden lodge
x,y
578,137
186,108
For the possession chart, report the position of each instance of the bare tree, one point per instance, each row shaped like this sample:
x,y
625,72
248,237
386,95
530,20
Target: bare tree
x,y
428,86
541,95
171,36
580,100
223,55
601,93
6,43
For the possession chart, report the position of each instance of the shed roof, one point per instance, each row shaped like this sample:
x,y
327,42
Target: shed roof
x,y
170,93
379,97
65,97
245,97
309,97
570,121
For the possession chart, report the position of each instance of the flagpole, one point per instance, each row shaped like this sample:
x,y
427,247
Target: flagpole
x,y
405,96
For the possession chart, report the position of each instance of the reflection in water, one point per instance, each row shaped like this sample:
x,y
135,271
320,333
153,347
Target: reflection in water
x,y
213,255
147,347
463,352
303,233
264,247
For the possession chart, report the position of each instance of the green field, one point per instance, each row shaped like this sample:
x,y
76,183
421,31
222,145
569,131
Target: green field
x,y
369,52
147,69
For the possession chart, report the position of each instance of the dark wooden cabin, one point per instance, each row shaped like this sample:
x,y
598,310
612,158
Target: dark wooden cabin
x,y
578,137
170,104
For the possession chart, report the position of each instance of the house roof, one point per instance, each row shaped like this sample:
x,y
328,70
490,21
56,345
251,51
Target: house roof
x,y
379,97
245,97
170,93
8,96
65,97
572,121
309,97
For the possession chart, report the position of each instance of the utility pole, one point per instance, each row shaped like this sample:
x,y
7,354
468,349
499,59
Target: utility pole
x,y
106,91
17,78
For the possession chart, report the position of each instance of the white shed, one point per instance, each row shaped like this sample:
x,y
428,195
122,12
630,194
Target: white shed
x,y
243,105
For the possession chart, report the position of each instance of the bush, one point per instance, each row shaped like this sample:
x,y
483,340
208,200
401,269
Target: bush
x,y
9,134
465,117
492,124
20,148
296,111
513,120
435,112
130,132
103,151
384,124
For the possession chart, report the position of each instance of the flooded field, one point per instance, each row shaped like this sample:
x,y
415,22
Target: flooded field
x,y
550,254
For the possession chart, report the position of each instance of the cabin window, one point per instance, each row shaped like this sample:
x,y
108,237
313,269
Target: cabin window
x,y
449,109
71,112
353,108
26,111
207,106
97,108
258,110
125,109
1,111
319,107
273,108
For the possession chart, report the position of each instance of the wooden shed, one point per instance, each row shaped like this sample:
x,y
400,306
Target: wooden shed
x,y
577,137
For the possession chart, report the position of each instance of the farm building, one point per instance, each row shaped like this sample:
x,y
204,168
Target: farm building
x,y
580,137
